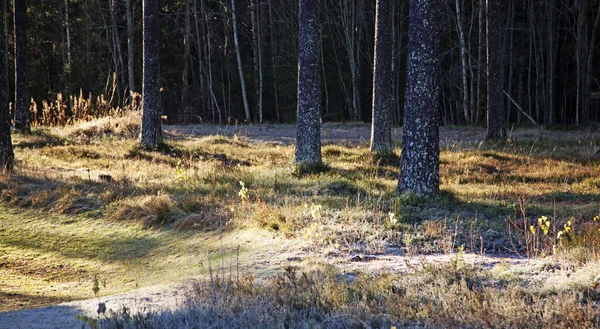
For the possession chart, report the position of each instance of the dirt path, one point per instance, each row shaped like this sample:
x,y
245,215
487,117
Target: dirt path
x,y
170,297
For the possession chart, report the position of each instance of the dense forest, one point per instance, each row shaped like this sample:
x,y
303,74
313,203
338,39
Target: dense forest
x,y
78,50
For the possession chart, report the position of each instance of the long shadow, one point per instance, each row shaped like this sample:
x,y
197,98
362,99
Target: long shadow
x,y
13,302
42,318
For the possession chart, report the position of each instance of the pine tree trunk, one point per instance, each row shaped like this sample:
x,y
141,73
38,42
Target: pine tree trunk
x,y
6,150
130,47
21,82
151,134
308,130
383,88
419,163
496,124
239,62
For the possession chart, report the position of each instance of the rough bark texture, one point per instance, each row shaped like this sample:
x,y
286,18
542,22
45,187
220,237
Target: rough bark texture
x,y
419,163
151,128
21,92
6,150
383,88
308,131
496,126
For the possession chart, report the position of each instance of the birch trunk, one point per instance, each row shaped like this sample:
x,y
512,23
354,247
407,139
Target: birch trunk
x,y
239,62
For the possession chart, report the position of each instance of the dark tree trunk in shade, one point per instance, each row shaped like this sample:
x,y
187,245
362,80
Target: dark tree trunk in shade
x,y
496,125
308,129
21,93
419,163
151,128
6,150
383,88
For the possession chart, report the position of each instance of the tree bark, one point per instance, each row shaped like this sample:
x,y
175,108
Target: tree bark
x,y
257,57
21,82
6,150
383,88
419,163
308,130
151,134
496,124
239,62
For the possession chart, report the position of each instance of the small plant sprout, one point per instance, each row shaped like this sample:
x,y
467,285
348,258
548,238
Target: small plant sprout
x,y
243,193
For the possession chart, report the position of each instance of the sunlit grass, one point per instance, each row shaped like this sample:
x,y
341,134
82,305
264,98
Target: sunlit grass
x,y
87,200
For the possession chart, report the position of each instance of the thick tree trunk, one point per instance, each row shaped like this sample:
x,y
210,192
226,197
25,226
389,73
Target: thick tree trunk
x,y
496,124
151,134
239,62
419,163
308,130
130,47
6,150
21,82
383,88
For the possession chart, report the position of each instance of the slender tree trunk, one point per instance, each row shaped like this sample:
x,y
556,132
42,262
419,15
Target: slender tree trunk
x,y
591,53
21,82
308,130
273,59
120,68
6,150
383,89
256,47
68,31
68,65
185,80
463,60
550,63
239,62
476,112
419,163
583,97
510,26
496,127
130,47
151,134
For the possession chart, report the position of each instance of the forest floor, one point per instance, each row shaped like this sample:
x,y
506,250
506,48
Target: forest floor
x,y
89,217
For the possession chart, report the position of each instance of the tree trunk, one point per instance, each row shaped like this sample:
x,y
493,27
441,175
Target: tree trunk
x,y
496,124
475,113
256,47
463,60
583,95
308,130
6,150
21,92
273,61
185,74
151,134
239,62
130,47
550,61
383,88
419,163
119,67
